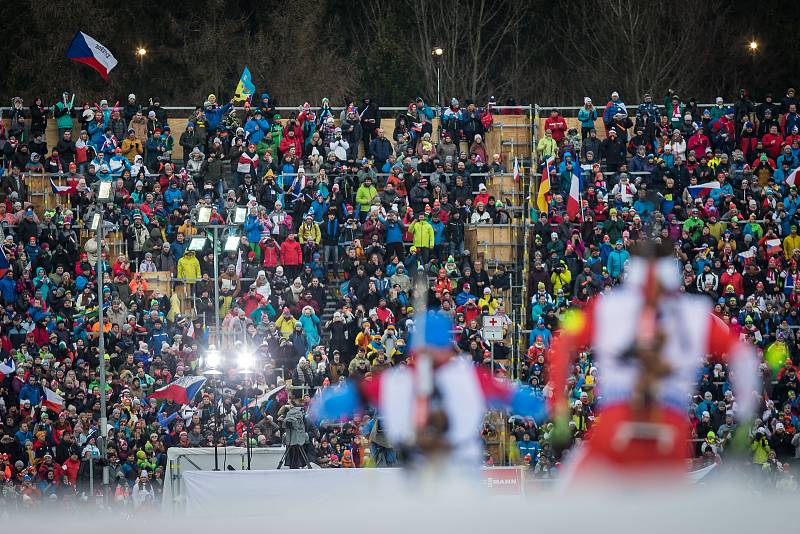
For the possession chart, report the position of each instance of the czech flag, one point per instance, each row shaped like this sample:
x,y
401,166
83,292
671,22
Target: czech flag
x,y
702,190
85,49
52,400
182,390
60,189
774,246
7,368
4,265
245,88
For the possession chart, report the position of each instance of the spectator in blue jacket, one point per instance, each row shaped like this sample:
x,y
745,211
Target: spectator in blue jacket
x,y
256,127
31,391
617,260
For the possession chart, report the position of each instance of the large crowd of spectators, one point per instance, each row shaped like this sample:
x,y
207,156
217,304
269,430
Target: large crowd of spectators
x,y
717,180
339,216
342,217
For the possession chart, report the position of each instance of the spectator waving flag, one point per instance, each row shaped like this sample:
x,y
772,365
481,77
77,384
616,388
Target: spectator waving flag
x,y
245,88
52,400
59,189
7,368
773,246
792,178
182,390
4,265
574,200
702,190
266,397
544,185
85,49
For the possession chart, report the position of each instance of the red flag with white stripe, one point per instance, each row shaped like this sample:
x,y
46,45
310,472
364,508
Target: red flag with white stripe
x,y
52,400
574,201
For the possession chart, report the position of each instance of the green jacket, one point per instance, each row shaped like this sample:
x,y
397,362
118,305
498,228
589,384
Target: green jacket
x,y
63,113
364,196
423,234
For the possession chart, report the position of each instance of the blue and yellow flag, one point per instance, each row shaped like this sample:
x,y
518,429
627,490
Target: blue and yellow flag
x,y
245,88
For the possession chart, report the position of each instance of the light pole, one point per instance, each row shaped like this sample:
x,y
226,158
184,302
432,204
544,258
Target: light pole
x,y
437,54
212,361
105,194
140,53
753,47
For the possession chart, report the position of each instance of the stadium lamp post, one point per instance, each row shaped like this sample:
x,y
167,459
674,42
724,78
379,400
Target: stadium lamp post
x,y
105,194
212,362
437,54
246,362
752,46
140,53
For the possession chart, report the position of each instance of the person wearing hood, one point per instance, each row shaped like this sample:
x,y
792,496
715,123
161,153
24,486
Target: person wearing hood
x,y
189,140
165,261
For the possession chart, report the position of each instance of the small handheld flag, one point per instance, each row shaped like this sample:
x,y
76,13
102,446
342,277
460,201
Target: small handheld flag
x,y
792,178
59,189
245,88
52,400
7,368
87,50
701,190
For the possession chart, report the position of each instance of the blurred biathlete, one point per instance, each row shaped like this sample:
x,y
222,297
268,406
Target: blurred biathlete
x,y
432,409
650,339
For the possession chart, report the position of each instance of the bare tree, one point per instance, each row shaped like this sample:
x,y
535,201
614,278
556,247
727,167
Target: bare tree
x,y
636,47
476,36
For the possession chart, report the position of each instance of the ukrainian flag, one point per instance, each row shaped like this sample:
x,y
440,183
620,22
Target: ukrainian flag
x,y
246,87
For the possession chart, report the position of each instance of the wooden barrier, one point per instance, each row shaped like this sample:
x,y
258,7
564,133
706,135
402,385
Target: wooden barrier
x,y
493,242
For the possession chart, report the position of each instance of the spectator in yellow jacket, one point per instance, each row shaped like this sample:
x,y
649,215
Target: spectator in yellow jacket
x,y
422,231
309,229
285,323
547,146
791,242
189,266
488,301
561,278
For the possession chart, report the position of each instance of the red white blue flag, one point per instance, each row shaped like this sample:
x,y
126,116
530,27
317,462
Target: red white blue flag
x,y
86,50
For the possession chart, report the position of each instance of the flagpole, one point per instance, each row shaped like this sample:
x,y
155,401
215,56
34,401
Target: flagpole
x,y
102,351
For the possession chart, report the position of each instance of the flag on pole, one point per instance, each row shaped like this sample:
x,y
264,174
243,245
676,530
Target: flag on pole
x,y
792,178
52,400
239,263
245,88
702,190
190,330
7,369
264,397
182,390
516,170
544,185
86,50
4,265
574,201
60,189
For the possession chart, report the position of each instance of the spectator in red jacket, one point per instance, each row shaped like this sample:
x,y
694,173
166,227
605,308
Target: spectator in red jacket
x,y
557,125
732,277
292,256
772,141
